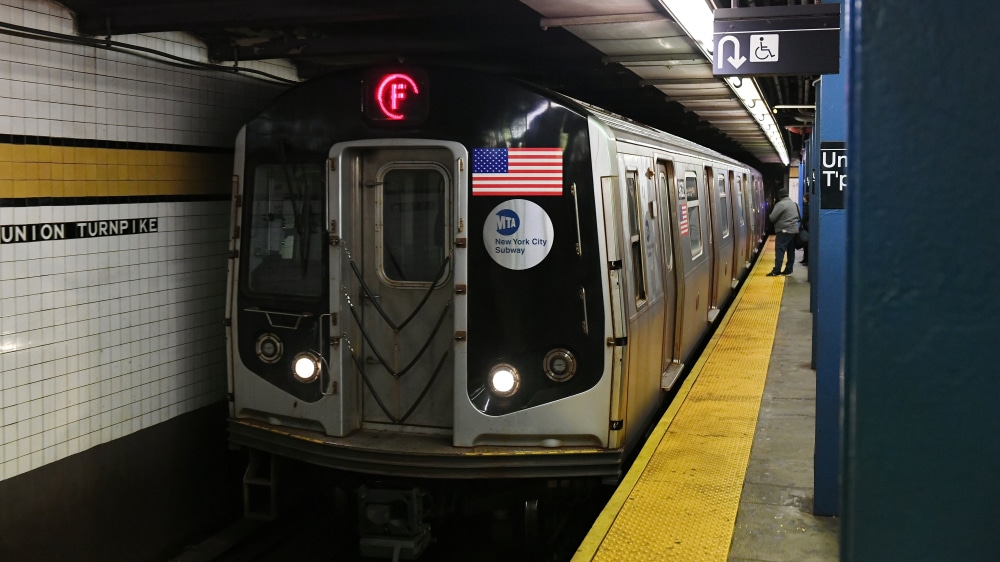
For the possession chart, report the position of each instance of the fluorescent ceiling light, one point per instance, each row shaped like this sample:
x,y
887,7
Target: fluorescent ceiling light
x,y
696,19
746,89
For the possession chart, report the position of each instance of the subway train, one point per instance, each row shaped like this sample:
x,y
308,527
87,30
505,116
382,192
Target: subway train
x,y
439,275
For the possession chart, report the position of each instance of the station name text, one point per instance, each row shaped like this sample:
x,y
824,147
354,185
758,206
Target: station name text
x,y
15,233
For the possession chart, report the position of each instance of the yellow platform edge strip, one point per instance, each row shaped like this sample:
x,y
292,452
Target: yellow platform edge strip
x,y
591,546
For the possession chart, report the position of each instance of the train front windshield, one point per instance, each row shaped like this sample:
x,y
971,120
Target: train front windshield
x,y
286,230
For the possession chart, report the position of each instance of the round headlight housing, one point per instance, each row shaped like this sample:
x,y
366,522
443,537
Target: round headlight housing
x,y
559,365
504,380
306,367
269,348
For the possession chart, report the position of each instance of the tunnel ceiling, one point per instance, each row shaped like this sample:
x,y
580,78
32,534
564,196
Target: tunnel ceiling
x,y
628,56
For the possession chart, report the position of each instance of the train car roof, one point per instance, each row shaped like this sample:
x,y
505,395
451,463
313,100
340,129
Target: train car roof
x,y
626,129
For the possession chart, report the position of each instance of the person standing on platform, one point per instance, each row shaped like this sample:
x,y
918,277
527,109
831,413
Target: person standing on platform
x,y
785,218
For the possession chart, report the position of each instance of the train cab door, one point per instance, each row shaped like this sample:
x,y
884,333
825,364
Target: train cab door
x,y
670,366
610,192
394,279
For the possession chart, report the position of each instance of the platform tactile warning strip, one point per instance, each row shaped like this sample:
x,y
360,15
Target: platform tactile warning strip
x,y
679,500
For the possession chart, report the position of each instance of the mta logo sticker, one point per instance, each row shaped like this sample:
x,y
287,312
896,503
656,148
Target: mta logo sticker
x,y
518,234
507,222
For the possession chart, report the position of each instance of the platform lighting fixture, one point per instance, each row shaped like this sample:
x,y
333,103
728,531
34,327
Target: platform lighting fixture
x,y
695,18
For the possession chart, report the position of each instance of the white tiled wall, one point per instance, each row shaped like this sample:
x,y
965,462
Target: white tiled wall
x,y
101,337
104,336
63,90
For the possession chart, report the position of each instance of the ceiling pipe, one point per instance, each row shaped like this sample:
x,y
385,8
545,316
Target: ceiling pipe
x,y
777,107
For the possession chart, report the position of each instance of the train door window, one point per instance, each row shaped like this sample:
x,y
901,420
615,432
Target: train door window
x,y
723,206
694,213
635,234
286,230
413,232
668,248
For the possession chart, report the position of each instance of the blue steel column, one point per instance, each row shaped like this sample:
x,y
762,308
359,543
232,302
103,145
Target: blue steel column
x,y
922,344
827,270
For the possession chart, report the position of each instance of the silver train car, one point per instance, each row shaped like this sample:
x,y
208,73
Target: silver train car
x,y
442,274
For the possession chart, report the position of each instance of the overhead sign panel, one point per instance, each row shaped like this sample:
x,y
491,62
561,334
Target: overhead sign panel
x,y
778,40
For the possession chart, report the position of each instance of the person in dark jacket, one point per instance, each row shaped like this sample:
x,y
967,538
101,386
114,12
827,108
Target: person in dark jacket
x,y
785,218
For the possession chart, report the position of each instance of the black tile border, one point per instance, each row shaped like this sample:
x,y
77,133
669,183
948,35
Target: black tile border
x,y
121,200
119,145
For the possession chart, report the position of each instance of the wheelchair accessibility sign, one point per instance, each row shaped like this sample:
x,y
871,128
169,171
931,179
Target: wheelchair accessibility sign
x,y
764,48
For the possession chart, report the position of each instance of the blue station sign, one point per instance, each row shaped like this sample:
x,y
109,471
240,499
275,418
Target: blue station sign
x,y
832,174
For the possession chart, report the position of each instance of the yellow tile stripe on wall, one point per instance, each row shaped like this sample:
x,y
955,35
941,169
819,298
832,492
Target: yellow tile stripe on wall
x,y
66,171
680,498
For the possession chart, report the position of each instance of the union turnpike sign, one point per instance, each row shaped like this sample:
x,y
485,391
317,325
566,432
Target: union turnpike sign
x,y
41,232
832,174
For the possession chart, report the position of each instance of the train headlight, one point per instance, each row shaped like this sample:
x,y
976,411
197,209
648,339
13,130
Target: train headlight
x,y
306,367
559,365
269,348
504,380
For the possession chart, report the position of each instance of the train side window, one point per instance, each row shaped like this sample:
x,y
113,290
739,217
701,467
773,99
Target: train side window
x,y
723,206
413,225
739,202
286,230
635,235
694,213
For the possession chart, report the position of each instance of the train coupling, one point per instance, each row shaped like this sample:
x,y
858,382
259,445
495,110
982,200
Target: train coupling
x,y
393,522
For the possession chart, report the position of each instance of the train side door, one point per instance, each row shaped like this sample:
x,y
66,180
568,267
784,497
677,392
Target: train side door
x,y
642,267
396,283
748,214
670,366
714,245
740,226
694,256
751,210
724,238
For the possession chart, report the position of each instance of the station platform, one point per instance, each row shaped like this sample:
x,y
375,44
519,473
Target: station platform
x,y
727,473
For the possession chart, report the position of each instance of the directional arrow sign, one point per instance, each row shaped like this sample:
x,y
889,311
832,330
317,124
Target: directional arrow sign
x,y
720,52
780,40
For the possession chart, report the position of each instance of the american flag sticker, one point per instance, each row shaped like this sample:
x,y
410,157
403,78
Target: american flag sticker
x,y
517,171
682,207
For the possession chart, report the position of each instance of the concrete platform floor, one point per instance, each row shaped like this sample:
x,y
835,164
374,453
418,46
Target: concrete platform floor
x,y
775,521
